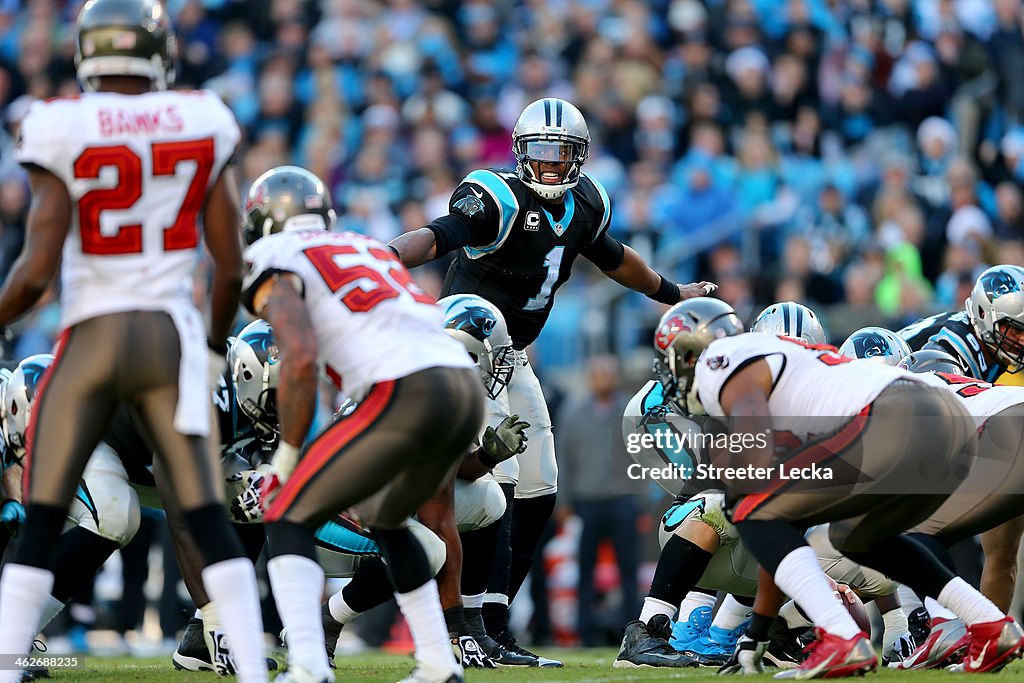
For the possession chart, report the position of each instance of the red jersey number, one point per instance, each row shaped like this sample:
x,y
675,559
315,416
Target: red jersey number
x,y
830,355
971,386
375,288
167,156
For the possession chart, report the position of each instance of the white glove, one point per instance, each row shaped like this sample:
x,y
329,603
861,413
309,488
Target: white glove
x,y
215,370
245,507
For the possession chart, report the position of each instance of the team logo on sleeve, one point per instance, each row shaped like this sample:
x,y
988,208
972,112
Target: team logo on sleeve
x,y
470,205
717,362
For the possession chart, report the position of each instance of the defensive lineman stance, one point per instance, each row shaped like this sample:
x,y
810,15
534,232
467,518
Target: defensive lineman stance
x,y
123,203
518,233
750,378
343,302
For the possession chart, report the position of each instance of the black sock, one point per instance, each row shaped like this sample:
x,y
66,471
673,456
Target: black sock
x,y
906,560
212,533
770,540
407,562
496,614
759,627
478,548
680,566
497,581
369,587
253,538
80,554
475,621
289,538
495,617
529,518
37,538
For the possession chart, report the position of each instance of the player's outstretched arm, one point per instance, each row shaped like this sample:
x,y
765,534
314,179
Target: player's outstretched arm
x,y
635,273
220,221
415,248
49,218
279,302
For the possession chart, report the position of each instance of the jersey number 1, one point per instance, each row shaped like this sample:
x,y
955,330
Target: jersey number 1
x,y
182,234
553,262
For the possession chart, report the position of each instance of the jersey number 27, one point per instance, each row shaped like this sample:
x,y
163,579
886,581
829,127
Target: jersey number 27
x,y
181,234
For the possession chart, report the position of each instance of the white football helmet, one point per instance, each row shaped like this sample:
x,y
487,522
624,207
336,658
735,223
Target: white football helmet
x,y
550,130
792,320
253,360
19,394
480,327
876,343
998,297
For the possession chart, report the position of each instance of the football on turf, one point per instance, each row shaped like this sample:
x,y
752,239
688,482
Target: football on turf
x,y
854,606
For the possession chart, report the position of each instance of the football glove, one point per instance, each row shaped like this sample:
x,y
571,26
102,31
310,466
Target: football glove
x,y
468,651
245,507
12,515
507,440
901,646
746,657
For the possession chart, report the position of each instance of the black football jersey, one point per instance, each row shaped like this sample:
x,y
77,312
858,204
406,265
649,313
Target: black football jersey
x,y
525,247
954,334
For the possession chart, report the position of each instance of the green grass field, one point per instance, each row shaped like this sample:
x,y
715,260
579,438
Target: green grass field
x,y
580,665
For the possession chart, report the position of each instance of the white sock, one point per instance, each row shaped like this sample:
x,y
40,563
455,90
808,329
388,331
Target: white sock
x,y
895,625
908,598
422,610
340,610
654,606
23,593
298,583
793,616
470,601
692,601
731,614
799,576
51,608
937,610
967,603
499,598
231,584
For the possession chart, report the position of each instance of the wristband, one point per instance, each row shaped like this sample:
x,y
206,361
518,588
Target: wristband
x,y
486,460
667,292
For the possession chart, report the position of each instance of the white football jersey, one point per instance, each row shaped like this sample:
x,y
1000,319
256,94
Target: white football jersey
x,y
138,169
808,380
981,399
372,322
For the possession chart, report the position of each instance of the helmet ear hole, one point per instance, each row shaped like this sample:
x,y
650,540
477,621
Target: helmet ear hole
x,y
246,375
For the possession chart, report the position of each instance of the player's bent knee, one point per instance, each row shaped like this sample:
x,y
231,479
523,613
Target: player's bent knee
x,y
433,546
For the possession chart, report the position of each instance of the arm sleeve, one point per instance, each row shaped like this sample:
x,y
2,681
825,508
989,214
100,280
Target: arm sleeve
x,y
473,220
605,252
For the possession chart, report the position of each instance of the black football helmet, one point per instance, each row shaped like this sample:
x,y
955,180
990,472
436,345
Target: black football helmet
x,y
286,198
124,38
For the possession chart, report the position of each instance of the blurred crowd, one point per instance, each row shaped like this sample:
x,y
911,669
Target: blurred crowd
x,y
858,155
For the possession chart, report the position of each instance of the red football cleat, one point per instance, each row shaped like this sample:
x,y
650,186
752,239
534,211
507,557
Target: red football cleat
x,y
829,656
946,644
994,644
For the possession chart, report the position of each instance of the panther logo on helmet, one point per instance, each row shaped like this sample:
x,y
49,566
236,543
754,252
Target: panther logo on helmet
x,y
668,332
997,283
475,320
